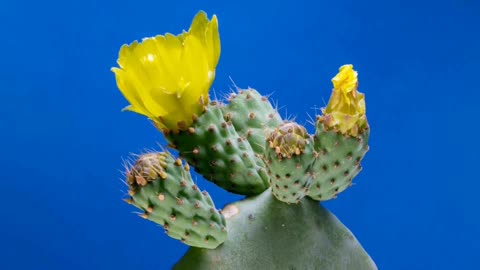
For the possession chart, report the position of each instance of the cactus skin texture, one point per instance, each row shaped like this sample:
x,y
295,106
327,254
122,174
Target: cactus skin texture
x,y
163,189
338,161
265,233
216,151
289,156
253,116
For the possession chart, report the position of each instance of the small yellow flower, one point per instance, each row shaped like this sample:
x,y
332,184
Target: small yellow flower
x,y
346,108
167,77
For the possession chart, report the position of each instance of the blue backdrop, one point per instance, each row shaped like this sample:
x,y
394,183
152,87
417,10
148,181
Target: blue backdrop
x,y
63,137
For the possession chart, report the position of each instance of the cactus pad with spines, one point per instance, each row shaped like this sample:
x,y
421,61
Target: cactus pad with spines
x,y
163,189
289,155
253,117
220,154
338,161
265,233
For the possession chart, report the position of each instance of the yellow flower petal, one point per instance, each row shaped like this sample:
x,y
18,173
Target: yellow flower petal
x,y
167,77
345,110
130,93
346,80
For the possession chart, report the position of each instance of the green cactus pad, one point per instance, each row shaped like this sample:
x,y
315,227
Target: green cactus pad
x,y
163,189
252,116
338,161
289,156
220,154
265,233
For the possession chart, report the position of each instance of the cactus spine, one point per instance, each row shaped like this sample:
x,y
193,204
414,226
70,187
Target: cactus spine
x,y
245,147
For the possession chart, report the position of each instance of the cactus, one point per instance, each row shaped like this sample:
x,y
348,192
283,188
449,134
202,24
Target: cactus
x,y
243,146
253,116
216,150
265,233
163,189
338,161
341,138
289,156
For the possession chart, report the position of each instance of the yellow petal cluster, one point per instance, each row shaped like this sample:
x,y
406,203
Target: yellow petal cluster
x,y
345,110
167,78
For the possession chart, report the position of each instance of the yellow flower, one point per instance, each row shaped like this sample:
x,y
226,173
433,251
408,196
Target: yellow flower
x,y
167,77
346,108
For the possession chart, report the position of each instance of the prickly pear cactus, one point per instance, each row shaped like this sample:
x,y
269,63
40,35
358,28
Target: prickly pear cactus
x,y
243,146
217,152
265,233
289,159
163,189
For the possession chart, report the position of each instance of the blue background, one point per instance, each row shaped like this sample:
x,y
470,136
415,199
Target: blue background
x,y
63,137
